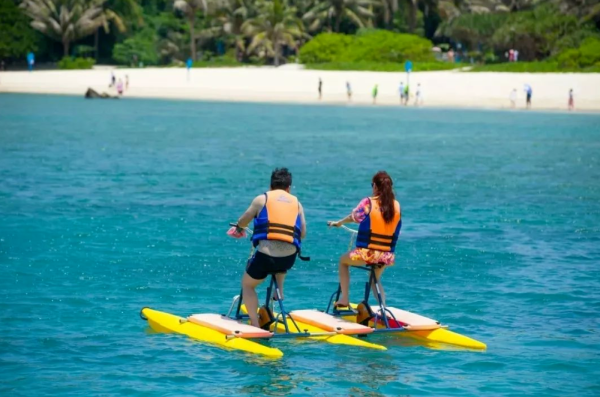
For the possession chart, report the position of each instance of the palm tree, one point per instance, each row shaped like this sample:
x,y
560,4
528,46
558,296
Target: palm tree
x,y
227,22
357,11
190,9
275,25
65,20
117,11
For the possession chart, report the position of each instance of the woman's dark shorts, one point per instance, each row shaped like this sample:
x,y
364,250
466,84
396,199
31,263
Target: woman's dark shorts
x,y
261,265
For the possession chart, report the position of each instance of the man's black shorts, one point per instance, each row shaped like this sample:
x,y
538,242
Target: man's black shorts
x,y
260,265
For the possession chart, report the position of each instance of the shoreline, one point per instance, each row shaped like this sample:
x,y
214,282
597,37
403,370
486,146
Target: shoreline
x,y
443,90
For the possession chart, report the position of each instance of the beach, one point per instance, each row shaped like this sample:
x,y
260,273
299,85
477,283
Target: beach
x,y
289,84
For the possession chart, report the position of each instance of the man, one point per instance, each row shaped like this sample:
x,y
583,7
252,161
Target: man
x,y
349,91
401,89
528,92
279,227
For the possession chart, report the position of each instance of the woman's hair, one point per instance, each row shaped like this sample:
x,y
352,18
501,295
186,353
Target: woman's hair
x,y
383,182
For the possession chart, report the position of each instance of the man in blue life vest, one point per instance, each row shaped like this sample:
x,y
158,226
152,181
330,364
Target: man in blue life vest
x,y
279,228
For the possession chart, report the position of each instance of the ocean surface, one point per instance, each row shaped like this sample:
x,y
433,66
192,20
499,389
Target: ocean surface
x,y
110,206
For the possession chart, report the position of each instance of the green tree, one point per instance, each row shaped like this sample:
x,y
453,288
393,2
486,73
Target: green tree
x,y
334,11
190,9
17,37
227,21
275,25
65,20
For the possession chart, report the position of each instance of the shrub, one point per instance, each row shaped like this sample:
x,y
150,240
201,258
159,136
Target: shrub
x,y
326,47
385,46
141,47
378,46
382,66
68,63
583,57
216,62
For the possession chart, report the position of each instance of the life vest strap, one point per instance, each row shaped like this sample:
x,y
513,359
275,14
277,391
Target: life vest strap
x,y
374,238
279,228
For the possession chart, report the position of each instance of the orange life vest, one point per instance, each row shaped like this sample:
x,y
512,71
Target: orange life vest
x,y
374,233
279,219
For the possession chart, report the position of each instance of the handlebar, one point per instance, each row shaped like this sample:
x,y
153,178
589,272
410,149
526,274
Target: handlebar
x,y
247,229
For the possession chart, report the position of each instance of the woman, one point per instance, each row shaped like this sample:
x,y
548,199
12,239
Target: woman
x,y
379,218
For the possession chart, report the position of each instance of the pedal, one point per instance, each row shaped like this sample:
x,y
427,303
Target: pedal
x,y
365,314
265,318
343,310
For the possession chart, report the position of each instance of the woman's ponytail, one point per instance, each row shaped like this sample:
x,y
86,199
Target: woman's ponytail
x,y
383,182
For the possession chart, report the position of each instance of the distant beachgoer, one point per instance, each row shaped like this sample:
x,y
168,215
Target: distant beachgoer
x,y
375,89
2,65
120,87
113,79
320,88
126,82
511,55
349,91
528,92
571,100
513,98
30,60
451,56
406,94
188,65
401,89
516,55
418,96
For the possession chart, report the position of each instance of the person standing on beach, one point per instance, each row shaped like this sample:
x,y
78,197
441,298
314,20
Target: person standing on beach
x,y
375,90
30,60
406,95
113,80
349,91
401,89
120,87
126,82
188,65
513,98
528,92
279,228
516,55
418,95
320,88
571,100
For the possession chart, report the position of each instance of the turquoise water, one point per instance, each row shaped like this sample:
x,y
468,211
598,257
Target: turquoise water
x,y
109,206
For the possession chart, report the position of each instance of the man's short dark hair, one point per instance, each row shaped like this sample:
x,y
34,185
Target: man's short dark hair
x,y
281,178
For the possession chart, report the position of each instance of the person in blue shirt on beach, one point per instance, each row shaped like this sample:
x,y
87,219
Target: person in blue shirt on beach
x,y
30,60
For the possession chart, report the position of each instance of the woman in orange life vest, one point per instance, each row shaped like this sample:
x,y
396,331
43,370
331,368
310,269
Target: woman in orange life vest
x,y
379,218
279,227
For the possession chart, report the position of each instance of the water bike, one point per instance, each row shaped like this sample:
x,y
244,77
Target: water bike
x,y
231,330
386,319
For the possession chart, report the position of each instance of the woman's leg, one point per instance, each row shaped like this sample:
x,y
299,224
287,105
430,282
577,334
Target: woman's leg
x,y
378,273
344,273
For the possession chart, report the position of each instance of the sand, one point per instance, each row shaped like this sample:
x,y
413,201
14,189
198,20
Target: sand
x,y
291,84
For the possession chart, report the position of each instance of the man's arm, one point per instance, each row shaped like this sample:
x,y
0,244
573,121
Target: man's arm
x,y
302,221
255,207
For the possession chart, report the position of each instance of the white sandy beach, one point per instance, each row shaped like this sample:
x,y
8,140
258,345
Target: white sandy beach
x,y
287,84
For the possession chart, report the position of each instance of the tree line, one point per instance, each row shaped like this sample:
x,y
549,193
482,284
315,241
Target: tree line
x,y
163,32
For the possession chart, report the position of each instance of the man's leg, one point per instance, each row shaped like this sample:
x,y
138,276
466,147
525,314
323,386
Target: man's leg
x,y
280,277
250,298
344,273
